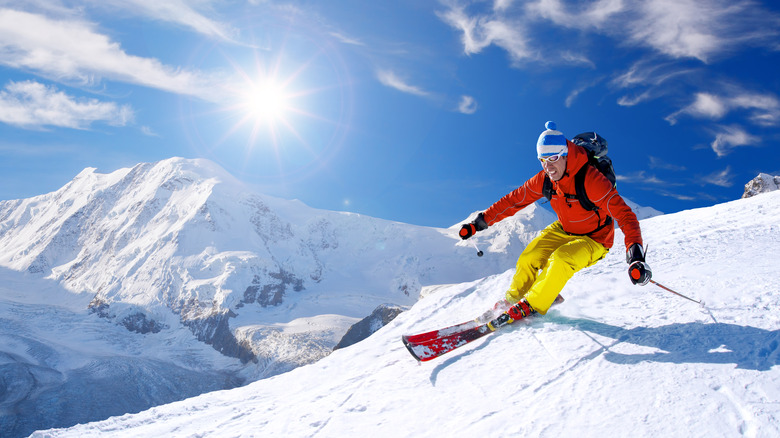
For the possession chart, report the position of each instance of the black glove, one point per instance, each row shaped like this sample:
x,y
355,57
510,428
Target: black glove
x,y
468,230
638,271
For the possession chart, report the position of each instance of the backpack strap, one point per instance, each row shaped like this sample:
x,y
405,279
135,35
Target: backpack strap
x,y
585,202
579,185
547,189
581,196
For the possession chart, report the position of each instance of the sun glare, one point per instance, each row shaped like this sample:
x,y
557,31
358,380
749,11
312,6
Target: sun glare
x,y
267,100
285,120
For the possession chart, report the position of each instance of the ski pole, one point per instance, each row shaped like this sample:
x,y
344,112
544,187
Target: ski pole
x,y
669,290
479,253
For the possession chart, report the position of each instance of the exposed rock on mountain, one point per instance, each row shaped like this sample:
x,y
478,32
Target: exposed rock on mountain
x,y
763,183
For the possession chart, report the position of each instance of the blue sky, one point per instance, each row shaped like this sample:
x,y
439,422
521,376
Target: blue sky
x,y
415,111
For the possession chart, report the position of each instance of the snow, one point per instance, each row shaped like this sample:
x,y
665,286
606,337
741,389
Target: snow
x,y
761,184
612,359
173,278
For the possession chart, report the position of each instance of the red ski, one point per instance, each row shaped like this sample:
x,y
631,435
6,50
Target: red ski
x,y
433,348
432,344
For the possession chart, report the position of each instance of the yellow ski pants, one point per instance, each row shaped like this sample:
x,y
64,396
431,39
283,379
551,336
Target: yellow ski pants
x,y
548,262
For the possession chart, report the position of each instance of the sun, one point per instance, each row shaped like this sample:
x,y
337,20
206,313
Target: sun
x,y
267,100
281,116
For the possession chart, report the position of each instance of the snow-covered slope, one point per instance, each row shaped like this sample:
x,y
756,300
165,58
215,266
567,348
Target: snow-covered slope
x,y
182,242
614,359
642,212
154,265
59,365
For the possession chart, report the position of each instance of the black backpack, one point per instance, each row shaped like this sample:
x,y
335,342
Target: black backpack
x,y
596,147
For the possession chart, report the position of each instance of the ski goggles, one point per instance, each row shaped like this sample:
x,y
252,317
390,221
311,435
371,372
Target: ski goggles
x,y
552,158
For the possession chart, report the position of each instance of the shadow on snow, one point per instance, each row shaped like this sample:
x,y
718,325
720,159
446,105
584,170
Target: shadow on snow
x,y
694,342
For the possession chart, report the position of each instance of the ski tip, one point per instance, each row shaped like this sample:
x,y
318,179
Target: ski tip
x,y
405,340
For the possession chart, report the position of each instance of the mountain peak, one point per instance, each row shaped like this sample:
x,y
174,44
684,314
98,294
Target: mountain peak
x,y
763,183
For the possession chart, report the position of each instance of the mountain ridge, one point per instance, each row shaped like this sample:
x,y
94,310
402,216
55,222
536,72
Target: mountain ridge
x,y
181,241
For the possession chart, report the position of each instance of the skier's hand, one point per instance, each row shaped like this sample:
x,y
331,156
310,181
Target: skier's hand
x,y
468,230
638,271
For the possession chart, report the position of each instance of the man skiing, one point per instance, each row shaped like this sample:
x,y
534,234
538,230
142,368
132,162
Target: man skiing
x,y
578,239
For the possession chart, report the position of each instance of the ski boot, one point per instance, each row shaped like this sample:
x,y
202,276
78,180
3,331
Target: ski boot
x,y
517,312
498,308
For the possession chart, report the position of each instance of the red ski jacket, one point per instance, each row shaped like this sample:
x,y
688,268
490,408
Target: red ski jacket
x,y
575,219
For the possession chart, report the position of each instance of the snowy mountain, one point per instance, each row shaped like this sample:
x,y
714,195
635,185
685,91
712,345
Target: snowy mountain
x,y
763,183
613,359
642,212
196,282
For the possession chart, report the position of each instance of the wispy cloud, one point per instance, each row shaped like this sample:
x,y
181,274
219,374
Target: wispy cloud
x,y
729,137
149,132
657,163
594,16
390,79
179,12
675,28
695,29
763,108
651,78
73,50
642,177
577,91
678,196
467,105
483,30
31,104
723,178
347,40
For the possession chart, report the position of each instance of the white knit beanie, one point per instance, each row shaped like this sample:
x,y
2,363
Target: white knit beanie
x,y
551,142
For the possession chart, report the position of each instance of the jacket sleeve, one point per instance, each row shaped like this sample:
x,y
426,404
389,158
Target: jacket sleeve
x,y
517,200
613,204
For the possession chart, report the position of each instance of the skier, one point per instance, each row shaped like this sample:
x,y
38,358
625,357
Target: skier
x,y
578,239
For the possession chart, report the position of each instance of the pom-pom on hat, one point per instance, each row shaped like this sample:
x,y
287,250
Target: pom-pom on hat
x,y
551,142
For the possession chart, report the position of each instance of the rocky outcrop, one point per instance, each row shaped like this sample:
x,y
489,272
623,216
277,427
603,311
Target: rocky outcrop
x,y
761,184
367,326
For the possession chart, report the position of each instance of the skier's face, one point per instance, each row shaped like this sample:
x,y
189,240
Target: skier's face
x,y
555,169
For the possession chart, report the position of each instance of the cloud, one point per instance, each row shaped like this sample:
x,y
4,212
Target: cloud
x,y
577,91
346,40
657,79
30,104
657,163
763,108
390,79
482,31
149,132
729,137
178,11
696,29
641,177
595,15
705,105
674,28
722,179
467,105
678,196
73,50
